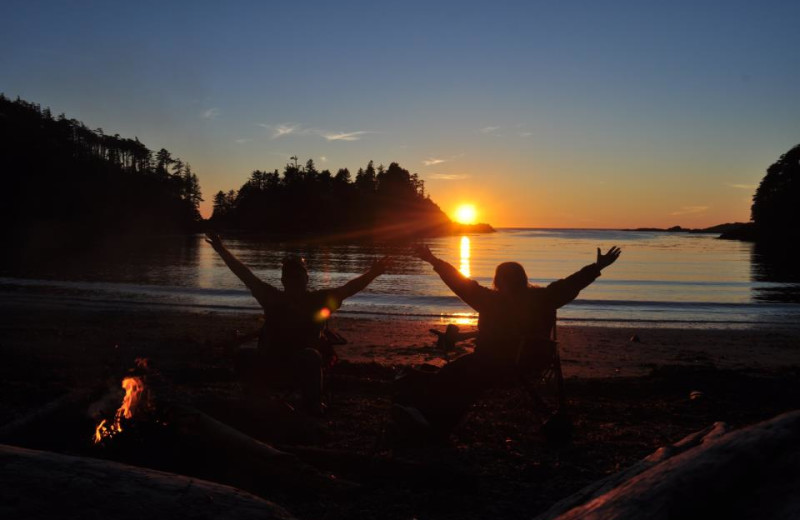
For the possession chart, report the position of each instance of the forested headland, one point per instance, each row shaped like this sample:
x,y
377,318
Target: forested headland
x,y
376,202
65,183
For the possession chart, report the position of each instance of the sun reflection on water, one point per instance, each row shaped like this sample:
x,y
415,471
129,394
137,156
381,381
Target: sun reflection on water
x,y
464,266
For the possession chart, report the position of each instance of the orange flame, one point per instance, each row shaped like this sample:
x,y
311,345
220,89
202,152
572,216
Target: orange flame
x,y
134,386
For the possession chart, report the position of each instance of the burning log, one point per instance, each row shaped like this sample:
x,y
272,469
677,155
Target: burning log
x,y
146,431
184,440
38,484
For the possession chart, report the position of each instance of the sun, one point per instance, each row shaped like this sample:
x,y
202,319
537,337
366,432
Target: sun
x,y
466,214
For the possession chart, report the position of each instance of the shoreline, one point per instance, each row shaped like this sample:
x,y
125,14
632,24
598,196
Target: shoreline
x,y
597,349
43,296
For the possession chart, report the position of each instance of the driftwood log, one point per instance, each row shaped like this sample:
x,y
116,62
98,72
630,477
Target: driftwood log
x,y
237,459
749,473
37,426
39,484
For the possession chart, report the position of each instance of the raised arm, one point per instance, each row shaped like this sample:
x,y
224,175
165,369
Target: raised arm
x,y
563,291
359,283
473,294
244,273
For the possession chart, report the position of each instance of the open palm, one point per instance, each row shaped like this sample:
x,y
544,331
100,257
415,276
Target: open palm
x,y
604,260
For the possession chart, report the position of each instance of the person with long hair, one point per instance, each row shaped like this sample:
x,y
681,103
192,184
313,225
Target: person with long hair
x,y
510,314
292,340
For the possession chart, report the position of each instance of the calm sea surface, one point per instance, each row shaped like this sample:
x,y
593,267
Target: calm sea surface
x,y
664,279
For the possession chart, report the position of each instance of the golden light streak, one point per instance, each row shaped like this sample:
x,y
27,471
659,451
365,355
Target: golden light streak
x,y
465,253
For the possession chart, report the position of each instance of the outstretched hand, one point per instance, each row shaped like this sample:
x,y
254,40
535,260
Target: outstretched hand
x,y
424,253
213,239
604,260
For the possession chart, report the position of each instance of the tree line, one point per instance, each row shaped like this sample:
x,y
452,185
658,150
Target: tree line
x,y
302,200
63,180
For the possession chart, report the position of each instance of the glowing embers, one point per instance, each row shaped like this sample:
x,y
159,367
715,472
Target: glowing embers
x,y
135,401
465,254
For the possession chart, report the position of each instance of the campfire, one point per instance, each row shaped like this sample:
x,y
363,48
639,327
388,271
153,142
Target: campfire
x,y
150,427
137,401
134,386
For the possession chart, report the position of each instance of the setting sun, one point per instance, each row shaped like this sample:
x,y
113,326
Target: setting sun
x,y
466,214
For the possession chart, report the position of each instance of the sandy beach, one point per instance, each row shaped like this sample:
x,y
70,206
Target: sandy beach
x,y
627,397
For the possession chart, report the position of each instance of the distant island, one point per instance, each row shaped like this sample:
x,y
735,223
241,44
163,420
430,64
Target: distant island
x,y
381,203
731,227
775,213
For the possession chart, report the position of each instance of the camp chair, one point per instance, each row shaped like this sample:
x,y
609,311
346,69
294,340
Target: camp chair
x,y
259,375
538,374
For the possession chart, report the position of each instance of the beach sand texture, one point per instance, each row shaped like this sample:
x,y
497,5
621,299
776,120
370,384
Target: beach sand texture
x,y
627,398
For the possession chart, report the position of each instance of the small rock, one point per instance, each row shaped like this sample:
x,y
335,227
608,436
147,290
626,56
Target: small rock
x,y
694,395
635,339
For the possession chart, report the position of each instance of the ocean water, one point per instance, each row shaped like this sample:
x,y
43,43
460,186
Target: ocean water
x,y
661,279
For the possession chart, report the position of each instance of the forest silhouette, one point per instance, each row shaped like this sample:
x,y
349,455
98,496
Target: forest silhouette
x,y
385,202
69,186
66,183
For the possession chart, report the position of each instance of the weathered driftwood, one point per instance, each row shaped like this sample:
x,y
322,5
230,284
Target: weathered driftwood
x,y
30,426
749,473
39,484
232,457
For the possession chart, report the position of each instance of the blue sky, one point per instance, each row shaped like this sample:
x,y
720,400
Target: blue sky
x,y
570,114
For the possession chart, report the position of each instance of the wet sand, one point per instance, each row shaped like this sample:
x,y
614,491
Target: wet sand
x,y
627,398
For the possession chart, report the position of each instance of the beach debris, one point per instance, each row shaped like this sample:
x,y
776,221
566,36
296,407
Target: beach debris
x,y
635,339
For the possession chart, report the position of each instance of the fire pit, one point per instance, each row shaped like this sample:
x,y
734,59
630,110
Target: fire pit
x,y
142,428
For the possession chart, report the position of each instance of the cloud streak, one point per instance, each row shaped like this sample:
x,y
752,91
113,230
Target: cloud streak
x,y
689,210
743,186
449,176
211,113
344,136
286,129
431,162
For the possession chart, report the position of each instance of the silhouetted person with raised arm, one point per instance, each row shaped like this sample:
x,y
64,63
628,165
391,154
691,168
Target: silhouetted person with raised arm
x,y
294,319
511,313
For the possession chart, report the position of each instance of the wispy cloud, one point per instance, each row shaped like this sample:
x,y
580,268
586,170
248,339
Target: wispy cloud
x,y
525,134
489,129
431,162
344,136
242,141
211,113
743,186
281,130
323,159
284,129
449,176
689,210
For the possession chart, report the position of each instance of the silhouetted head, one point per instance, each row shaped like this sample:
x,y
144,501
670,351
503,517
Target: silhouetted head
x,y
294,274
510,277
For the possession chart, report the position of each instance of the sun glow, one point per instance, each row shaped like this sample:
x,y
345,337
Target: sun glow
x,y
466,214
